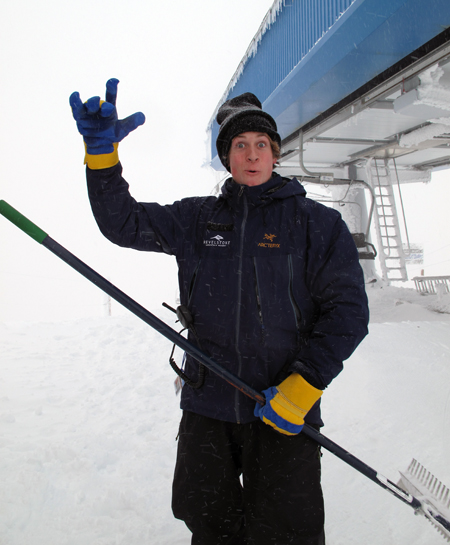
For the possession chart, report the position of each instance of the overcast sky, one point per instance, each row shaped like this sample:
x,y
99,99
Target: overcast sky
x,y
174,60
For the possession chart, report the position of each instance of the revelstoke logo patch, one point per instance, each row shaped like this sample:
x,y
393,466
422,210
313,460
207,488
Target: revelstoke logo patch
x,y
217,241
269,242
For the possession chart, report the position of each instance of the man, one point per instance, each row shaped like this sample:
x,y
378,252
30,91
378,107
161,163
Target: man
x,y
272,283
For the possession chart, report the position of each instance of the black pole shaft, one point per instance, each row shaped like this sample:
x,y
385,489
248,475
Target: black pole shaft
x,y
149,318
362,467
196,353
40,236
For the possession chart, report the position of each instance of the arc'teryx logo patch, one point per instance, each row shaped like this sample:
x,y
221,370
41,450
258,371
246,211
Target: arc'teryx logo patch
x,y
216,241
270,243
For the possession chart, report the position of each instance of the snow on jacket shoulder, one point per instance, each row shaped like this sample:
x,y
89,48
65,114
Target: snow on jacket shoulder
x,y
271,278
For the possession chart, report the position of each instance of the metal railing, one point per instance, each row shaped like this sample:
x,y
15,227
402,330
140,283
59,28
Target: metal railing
x,y
432,284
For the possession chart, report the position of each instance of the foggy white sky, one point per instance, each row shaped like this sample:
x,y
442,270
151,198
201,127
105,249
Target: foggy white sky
x,y
426,211
174,60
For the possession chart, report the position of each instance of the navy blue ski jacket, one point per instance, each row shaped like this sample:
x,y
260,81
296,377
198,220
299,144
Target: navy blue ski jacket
x,y
272,280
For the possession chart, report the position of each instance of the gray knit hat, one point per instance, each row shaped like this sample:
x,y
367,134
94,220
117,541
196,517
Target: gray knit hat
x,y
242,114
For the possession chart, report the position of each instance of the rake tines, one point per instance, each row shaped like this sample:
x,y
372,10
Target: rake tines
x,y
435,487
435,496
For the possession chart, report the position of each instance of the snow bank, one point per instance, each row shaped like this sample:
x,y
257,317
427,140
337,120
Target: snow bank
x,y
89,418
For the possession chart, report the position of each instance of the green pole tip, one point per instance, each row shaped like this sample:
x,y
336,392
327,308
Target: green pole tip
x,y
20,221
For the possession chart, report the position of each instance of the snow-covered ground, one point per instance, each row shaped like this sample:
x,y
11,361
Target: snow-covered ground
x,y
89,418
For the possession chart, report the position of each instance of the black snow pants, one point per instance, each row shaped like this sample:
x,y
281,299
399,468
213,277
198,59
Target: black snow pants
x,y
239,484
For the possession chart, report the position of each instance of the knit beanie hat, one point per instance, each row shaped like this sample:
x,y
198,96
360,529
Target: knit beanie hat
x,y
242,114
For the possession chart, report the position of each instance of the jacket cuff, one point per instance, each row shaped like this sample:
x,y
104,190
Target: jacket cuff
x,y
308,374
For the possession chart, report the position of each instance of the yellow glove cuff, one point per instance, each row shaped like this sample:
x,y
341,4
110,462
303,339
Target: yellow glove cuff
x,y
295,398
105,160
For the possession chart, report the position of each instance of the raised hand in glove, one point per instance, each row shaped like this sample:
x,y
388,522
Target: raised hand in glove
x,y
101,129
287,404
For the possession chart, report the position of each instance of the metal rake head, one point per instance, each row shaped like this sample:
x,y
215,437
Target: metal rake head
x,y
435,487
434,495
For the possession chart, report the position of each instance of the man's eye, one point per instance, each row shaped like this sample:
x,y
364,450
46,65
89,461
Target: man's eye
x,y
261,144
240,145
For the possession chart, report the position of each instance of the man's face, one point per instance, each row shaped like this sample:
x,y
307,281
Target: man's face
x,y
251,158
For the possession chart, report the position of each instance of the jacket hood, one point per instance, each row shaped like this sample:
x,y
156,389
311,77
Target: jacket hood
x,y
277,188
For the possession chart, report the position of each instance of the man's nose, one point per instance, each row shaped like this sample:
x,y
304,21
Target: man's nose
x,y
252,154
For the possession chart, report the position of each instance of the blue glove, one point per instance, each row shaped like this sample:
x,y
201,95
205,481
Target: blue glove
x,y
287,404
101,129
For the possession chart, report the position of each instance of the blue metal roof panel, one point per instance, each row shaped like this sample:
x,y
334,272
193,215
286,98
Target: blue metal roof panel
x,y
317,52
296,30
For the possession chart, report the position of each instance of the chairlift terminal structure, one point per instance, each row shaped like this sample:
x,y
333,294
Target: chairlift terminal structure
x,y
360,91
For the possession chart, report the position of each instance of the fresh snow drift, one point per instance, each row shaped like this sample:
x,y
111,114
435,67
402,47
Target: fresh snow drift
x,y
89,418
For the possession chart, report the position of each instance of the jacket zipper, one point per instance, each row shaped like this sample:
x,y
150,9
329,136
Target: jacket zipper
x,y
192,283
295,307
258,303
239,298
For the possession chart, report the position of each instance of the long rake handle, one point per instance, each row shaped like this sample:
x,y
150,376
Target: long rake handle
x,y
40,236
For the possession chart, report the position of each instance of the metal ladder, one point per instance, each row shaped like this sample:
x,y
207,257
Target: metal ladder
x,y
392,259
